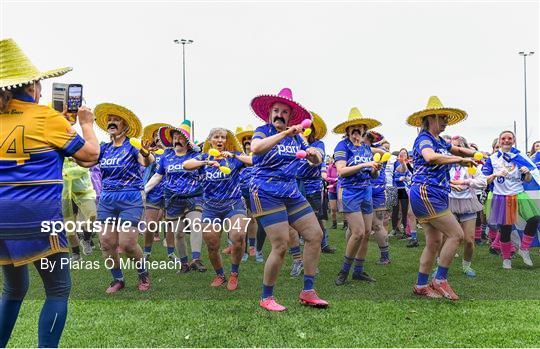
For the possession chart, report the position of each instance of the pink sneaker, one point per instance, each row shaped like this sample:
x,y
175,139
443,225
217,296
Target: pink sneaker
x,y
270,304
310,298
115,286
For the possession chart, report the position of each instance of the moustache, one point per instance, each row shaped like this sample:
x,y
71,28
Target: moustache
x,y
109,126
279,118
178,143
246,144
357,131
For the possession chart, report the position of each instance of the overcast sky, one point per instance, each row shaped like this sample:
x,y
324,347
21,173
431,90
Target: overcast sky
x,y
384,58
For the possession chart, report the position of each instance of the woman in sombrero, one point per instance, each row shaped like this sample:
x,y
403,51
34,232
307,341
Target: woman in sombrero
x,y
355,165
244,137
274,192
155,201
34,140
223,209
508,170
432,157
183,194
309,178
122,195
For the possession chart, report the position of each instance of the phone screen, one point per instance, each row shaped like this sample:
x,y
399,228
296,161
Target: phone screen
x,y
74,99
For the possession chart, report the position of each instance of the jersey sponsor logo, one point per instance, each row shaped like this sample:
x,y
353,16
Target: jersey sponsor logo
x,y
110,162
175,167
357,159
217,175
287,149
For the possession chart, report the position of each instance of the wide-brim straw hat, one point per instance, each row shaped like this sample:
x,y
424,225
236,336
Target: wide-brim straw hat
x,y
232,144
148,130
377,137
241,133
17,70
166,137
320,126
356,118
104,110
261,107
435,107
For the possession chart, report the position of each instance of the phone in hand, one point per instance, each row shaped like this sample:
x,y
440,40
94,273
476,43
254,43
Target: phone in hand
x,y
74,98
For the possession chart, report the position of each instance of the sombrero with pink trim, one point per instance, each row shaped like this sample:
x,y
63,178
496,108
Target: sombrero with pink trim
x,y
165,134
261,106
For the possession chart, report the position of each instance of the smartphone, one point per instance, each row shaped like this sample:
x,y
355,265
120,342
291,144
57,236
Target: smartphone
x,y
74,97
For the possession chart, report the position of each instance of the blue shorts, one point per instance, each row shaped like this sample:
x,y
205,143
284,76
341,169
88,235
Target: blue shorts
x,y
156,202
355,200
127,205
332,195
379,199
176,206
23,251
269,209
428,202
212,213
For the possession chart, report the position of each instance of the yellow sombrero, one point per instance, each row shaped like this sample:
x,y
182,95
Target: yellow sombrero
x,y
103,110
16,69
247,132
355,118
320,126
435,107
232,143
148,131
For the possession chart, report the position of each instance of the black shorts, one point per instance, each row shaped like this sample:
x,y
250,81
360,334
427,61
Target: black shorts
x,y
316,202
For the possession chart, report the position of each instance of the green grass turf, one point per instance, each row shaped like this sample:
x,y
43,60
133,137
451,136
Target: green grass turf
x,y
182,310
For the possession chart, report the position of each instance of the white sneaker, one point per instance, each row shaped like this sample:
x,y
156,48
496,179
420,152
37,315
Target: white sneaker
x,y
86,247
75,257
507,264
245,257
526,257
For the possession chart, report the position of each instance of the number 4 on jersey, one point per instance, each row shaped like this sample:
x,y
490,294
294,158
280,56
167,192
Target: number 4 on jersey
x,y
12,147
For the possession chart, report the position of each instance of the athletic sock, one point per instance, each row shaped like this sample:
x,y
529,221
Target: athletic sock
x,y
496,244
324,241
478,234
251,242
147,249
413,234
76,250
184,260
385,252
506,250
358,265
117,274
170,250
51,322
142,270
492,233
347,262
442,273
422,280
220,272
308,282
296,253
267,291
526,242
234,268
195,255
466,264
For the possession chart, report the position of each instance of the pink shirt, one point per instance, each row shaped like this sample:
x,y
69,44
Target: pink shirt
x,y
331,178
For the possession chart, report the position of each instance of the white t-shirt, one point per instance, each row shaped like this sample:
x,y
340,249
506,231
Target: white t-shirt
x,y
509,185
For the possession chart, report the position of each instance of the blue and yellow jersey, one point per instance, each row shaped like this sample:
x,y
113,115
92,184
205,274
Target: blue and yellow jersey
x,y
354,155
177,180
120,168
34,139
275,171
157,192
221,189
426,173
245,177
311,175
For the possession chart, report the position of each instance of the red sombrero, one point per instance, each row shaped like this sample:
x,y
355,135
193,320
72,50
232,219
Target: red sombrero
x,y
261,106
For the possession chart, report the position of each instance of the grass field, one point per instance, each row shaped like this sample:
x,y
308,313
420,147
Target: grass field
x,y
183,311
